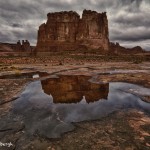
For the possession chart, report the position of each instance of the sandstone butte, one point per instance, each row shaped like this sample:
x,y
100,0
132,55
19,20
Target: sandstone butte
x,y
67,31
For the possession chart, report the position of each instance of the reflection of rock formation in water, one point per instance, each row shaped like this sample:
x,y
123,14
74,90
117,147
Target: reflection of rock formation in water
x,y
71,89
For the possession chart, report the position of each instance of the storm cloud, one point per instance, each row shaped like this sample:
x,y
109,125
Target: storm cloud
x,y
129,20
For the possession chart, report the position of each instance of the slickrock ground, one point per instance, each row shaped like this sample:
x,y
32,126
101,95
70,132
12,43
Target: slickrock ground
x,y
119,131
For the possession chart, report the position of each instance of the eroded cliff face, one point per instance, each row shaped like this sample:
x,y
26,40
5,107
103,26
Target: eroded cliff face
x,y
67,31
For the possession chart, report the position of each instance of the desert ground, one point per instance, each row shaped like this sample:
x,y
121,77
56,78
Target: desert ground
x,y
122,129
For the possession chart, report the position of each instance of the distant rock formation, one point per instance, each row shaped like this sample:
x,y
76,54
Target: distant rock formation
x,y
67,31
25,46
16,47
115,48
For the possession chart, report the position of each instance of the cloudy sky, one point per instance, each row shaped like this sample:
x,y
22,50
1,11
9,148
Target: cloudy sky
x,y
129,20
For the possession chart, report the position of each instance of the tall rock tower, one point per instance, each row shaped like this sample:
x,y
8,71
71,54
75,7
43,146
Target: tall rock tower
x,y
67,31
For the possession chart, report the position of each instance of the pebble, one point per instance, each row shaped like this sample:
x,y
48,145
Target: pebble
x,y
1,89
15,84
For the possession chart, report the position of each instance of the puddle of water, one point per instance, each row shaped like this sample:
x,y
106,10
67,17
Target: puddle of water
x,y
35,76
120,71
24,75
116,71
49,107
71,89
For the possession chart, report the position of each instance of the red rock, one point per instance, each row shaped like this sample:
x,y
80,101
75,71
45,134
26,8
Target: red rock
x,y
67,31
117,49
16,47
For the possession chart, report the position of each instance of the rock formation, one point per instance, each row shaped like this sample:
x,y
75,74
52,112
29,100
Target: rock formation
x,y
25,46
18,47
67,31
115,48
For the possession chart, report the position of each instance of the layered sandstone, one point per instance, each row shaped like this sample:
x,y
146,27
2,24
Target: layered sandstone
x,y
67,31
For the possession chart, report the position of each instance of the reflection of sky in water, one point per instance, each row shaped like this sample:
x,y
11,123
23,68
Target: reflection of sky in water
x,y
48,119
116,71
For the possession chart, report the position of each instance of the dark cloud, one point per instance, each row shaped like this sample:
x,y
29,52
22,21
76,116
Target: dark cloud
x,y
16,25
128,19
131,34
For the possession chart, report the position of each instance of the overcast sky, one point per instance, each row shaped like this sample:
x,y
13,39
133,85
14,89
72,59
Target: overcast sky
x,y
129,20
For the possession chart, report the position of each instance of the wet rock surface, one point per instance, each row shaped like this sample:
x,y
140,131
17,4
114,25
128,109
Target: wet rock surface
x,y
122,129
51,116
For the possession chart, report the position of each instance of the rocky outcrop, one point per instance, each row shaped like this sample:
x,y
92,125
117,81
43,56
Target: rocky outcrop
x,y
25,46
67,31
17,47
116,48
